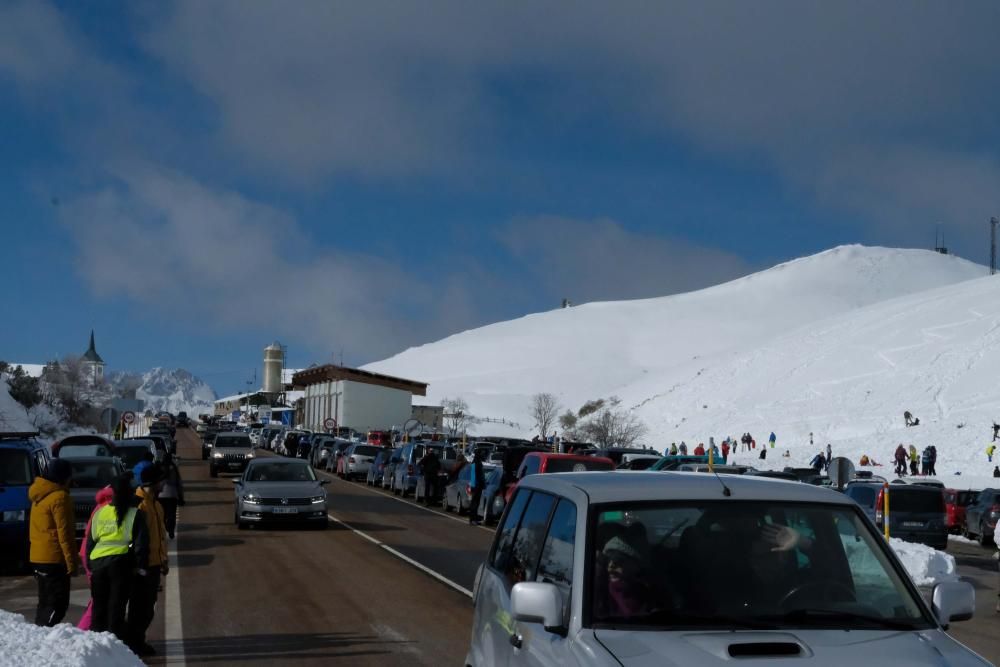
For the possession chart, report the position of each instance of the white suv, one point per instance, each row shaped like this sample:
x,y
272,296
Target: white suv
x,y
637,568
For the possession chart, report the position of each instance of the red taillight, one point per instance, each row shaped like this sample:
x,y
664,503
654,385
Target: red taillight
x,y
350,459
879,504
468,490
995,509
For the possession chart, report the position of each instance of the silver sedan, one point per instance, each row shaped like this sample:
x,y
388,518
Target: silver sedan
x,y
274,490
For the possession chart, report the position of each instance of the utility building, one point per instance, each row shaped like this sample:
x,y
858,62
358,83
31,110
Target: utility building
x,y
355,398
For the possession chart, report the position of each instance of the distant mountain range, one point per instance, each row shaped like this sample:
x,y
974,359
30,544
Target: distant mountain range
x,y
172,390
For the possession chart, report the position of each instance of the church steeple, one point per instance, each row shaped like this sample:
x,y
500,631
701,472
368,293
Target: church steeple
x,y
91,353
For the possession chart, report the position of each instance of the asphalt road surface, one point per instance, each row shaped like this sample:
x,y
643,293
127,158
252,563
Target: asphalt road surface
x,y
387,584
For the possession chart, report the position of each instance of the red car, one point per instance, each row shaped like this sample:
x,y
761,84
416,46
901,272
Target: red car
x,y
536,463
955,502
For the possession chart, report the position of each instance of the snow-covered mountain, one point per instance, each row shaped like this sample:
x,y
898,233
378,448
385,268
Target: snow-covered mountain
x,y
838,344
172,390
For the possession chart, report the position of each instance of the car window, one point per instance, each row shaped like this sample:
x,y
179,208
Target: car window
x,y
556,563
915,500
132,455
862,495
15,468
67,451
532,464
572,465
93,474
42,462
279,472
507,530
522,562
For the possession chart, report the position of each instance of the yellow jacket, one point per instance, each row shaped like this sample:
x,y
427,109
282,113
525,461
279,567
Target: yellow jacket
x,y
52,528
153,511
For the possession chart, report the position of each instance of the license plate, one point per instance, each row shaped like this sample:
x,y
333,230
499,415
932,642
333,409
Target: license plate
x,y
913,524
286,510
233,464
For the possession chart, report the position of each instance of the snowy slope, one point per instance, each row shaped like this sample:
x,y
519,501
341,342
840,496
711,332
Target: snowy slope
x,y
644,350
175,390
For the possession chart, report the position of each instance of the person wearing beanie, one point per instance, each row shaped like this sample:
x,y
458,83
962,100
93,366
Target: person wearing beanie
x,y
627,558
52,534
142,601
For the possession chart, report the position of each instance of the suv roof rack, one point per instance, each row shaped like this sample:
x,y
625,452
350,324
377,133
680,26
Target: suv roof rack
x,y
18,436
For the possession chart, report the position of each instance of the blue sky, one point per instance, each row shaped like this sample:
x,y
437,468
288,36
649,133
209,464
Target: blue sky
x,y
196,179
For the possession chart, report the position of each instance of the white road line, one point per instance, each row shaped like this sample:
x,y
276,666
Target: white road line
x,y
173,629
420,566
380,492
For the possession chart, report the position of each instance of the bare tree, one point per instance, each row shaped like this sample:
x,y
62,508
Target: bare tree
x,y
544,410
456,415
568,422
614,427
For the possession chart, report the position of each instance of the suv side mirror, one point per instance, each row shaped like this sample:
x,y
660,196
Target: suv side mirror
x,y
533,602
953,601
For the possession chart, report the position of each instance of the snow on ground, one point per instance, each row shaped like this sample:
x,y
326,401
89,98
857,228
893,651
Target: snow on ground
x,y
24,644
836,345
13,417
926,566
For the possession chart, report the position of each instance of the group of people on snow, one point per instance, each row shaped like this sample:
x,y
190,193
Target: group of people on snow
x,y
123,553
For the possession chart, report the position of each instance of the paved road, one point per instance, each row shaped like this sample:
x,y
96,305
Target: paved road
x,y
303,597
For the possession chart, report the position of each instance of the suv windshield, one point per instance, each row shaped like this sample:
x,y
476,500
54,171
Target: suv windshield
x,y
15,468
281,472
93,474
755,565
227,440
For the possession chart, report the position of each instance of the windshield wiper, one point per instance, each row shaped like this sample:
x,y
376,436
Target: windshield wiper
x,y
824,616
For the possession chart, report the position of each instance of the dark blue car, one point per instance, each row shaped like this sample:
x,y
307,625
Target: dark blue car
x,y
22,458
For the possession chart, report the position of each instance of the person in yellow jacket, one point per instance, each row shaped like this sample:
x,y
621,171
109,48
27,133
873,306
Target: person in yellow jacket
x,y
117,541
145,584
914,460
52,531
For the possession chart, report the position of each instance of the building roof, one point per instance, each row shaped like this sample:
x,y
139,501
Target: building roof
x,y
332,372
91,353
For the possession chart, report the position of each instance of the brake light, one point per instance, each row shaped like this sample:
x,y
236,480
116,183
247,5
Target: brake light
x,y
995,510
879,504
468,490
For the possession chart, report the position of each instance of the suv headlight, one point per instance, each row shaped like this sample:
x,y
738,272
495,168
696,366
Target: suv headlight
x,y
317,499
252,498
14,515
250,455
217,455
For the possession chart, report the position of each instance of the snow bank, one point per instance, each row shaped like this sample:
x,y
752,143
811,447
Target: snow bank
x,y
926,566
24,644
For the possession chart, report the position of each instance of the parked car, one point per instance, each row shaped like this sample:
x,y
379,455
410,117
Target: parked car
x,y
182,420
916,513
449,458
231,453
334,459
22,459
321,446
83,445
537,463
674,461
457,495
90,475
608,569
493,500
377,469
133,451
619,455
407,472
163,445
279,490
955,502
638,462
305,445
358,459
389,468
981,516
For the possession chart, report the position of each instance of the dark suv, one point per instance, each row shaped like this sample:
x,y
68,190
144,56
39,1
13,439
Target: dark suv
x,y
981,516
22,458
231,452
916,513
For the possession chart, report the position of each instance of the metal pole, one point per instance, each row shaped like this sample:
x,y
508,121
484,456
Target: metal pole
x,y
993,245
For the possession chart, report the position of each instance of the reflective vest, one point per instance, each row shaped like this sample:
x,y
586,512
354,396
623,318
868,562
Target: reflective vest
x,y
111,539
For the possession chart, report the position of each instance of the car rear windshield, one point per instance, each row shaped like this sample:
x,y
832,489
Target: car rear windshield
x,y
233,441
577,465
93,474
68,451
367,450
912,500
278,472
132,454
15,468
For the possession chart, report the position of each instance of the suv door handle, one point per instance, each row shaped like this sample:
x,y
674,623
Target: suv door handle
x,y
516,640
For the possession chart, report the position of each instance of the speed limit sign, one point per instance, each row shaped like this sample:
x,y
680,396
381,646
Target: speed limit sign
x,y
329,423
128,417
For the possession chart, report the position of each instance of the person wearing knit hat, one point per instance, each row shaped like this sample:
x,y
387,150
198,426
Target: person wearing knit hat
x,y
146,584
52,532
627,558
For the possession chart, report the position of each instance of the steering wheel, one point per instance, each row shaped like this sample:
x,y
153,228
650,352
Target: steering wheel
x,y
828,586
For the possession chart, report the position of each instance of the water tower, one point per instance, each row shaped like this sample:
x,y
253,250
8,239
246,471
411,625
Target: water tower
x,y
274,362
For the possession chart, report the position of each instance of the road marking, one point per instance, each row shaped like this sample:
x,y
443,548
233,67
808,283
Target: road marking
x,y
420,566
391,496
173,627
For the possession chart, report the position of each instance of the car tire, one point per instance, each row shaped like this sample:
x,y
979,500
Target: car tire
x,y
395,489
444,502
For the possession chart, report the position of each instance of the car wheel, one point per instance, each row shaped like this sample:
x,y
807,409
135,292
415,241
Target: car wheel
x,y
444,502
395,489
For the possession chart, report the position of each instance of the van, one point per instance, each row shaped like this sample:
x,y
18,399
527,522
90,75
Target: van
x,y
22,459
916,513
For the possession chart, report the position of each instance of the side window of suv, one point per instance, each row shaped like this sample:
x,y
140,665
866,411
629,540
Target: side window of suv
x,y
506,532
522,564
556,563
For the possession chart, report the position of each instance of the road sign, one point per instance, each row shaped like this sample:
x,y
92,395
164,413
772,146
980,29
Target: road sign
x,y
128,417
329,423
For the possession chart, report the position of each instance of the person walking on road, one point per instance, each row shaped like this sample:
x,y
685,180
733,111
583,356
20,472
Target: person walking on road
x,y
476,485
117,540
146,582
430,466
103,497
172,495
52,532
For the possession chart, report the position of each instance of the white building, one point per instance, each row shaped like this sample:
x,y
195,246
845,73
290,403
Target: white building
x,y
357,399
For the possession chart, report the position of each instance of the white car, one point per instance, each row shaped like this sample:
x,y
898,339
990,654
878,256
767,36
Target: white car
x,y
641,569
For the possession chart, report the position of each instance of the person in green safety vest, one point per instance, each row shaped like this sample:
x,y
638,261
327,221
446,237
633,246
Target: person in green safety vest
x,y
117,542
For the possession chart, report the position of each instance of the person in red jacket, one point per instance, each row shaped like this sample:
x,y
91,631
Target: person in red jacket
x,y
700,449
725,451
